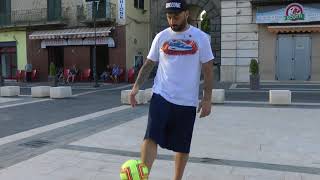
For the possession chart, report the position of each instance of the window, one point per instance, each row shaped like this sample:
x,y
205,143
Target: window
x,y
5,12
54,9
101,11
139,4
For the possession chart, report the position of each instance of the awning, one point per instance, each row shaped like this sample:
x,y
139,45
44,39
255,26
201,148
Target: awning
x,y
293,29
71,33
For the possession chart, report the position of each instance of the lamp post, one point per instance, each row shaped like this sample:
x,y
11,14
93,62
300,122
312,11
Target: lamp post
x,y
94,54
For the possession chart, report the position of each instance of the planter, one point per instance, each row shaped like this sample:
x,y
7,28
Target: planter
x,y
53,81
255,81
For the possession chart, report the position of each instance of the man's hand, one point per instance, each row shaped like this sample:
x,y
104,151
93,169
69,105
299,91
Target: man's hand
x,y
132,96
205,108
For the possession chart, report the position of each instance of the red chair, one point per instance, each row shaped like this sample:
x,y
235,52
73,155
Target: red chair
x,y
34,75
131,74
20,75
85,75
66,74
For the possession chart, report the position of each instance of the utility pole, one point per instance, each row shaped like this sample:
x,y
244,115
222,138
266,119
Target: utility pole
x,y
94,54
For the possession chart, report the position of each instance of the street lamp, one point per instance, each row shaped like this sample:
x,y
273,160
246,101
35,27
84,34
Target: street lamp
x,y
95,42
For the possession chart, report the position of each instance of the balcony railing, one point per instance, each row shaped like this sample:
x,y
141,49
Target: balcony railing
x,y
32,17
85,13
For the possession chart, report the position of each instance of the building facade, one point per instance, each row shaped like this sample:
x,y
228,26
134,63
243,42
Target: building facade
x,y
62,31
282,35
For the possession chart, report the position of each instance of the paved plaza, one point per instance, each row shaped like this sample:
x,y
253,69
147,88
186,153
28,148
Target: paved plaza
x,y
238,141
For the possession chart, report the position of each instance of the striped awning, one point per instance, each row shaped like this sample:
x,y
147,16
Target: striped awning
x,y
71,33
294,29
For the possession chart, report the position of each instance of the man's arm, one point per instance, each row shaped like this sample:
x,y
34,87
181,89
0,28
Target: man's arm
x,y
207,69
142,77
205,104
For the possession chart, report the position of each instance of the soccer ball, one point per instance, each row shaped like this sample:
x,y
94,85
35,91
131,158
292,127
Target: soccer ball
x,y
134,170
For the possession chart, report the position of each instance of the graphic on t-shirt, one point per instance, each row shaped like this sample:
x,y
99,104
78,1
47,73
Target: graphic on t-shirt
x,y
179,47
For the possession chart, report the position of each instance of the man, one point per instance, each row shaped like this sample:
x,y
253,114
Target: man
x,y
28,69
181,50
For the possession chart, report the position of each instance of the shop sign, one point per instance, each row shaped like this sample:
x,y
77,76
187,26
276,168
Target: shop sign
x,y
78,42
122,11
74,42
293,13
53,42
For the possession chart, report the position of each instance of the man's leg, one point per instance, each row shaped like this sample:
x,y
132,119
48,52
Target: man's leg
x,y
181,160
148,152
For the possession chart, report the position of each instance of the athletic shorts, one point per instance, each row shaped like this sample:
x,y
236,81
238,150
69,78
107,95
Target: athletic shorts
x,y
170,125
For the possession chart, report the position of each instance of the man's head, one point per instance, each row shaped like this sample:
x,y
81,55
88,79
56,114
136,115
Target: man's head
x,y
177,14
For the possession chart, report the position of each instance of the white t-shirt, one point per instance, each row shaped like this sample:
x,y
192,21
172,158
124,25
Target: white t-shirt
x,y
180,55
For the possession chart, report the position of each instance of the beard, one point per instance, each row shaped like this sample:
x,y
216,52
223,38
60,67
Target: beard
x,y
178,28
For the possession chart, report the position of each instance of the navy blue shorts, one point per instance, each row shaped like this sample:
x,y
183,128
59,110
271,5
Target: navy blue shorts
x,y
170,125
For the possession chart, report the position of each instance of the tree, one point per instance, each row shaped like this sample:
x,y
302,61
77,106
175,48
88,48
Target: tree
x,y
205,23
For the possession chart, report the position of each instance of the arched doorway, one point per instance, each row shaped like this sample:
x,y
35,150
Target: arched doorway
x,y
196,8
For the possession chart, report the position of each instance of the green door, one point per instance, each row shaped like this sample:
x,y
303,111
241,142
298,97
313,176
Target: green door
x,y
54,10
5,12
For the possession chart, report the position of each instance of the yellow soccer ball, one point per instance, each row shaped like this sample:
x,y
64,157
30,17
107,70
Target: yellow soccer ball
x,y
134,170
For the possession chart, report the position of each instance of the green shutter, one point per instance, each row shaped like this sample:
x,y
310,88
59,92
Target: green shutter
x,y
5,12
54,9
101,9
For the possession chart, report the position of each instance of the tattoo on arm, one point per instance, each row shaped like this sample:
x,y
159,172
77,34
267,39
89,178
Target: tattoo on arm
x,y
144,72
208,80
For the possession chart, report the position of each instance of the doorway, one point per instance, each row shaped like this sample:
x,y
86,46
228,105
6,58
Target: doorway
x,y
293,57
8,62
102,57
56,55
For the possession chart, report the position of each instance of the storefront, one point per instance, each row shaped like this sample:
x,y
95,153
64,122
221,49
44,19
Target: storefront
x,y
12,53
289,41
69,47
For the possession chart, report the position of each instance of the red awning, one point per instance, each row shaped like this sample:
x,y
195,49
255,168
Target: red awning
x,y
71,33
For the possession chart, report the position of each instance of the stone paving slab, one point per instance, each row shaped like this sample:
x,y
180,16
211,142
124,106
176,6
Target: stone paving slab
x,y
5,100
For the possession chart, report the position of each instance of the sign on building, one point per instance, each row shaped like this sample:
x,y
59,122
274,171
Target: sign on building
x,y
293,13
121,11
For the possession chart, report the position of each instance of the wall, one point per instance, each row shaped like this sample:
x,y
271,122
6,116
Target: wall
x,y
267,53
20,38
79,55
117,55
37,7
38,57
239,40
138,37
315,71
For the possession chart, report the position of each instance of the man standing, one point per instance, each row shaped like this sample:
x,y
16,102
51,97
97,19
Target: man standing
x,y
181,51
28,69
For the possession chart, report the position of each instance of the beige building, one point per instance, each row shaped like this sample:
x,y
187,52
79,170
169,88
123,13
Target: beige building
x,y
137,31
283,36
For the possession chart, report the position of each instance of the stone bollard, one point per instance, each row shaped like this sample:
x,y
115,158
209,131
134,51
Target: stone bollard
x,y
148,94
280,97
9,91
139,97
218,96
40,91
60,92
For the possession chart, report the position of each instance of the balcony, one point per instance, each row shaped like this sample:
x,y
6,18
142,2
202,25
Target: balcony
x,y
33,17
105,14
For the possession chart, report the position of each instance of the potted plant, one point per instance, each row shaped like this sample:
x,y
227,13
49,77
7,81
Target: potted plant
x,y
254,74
52,74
